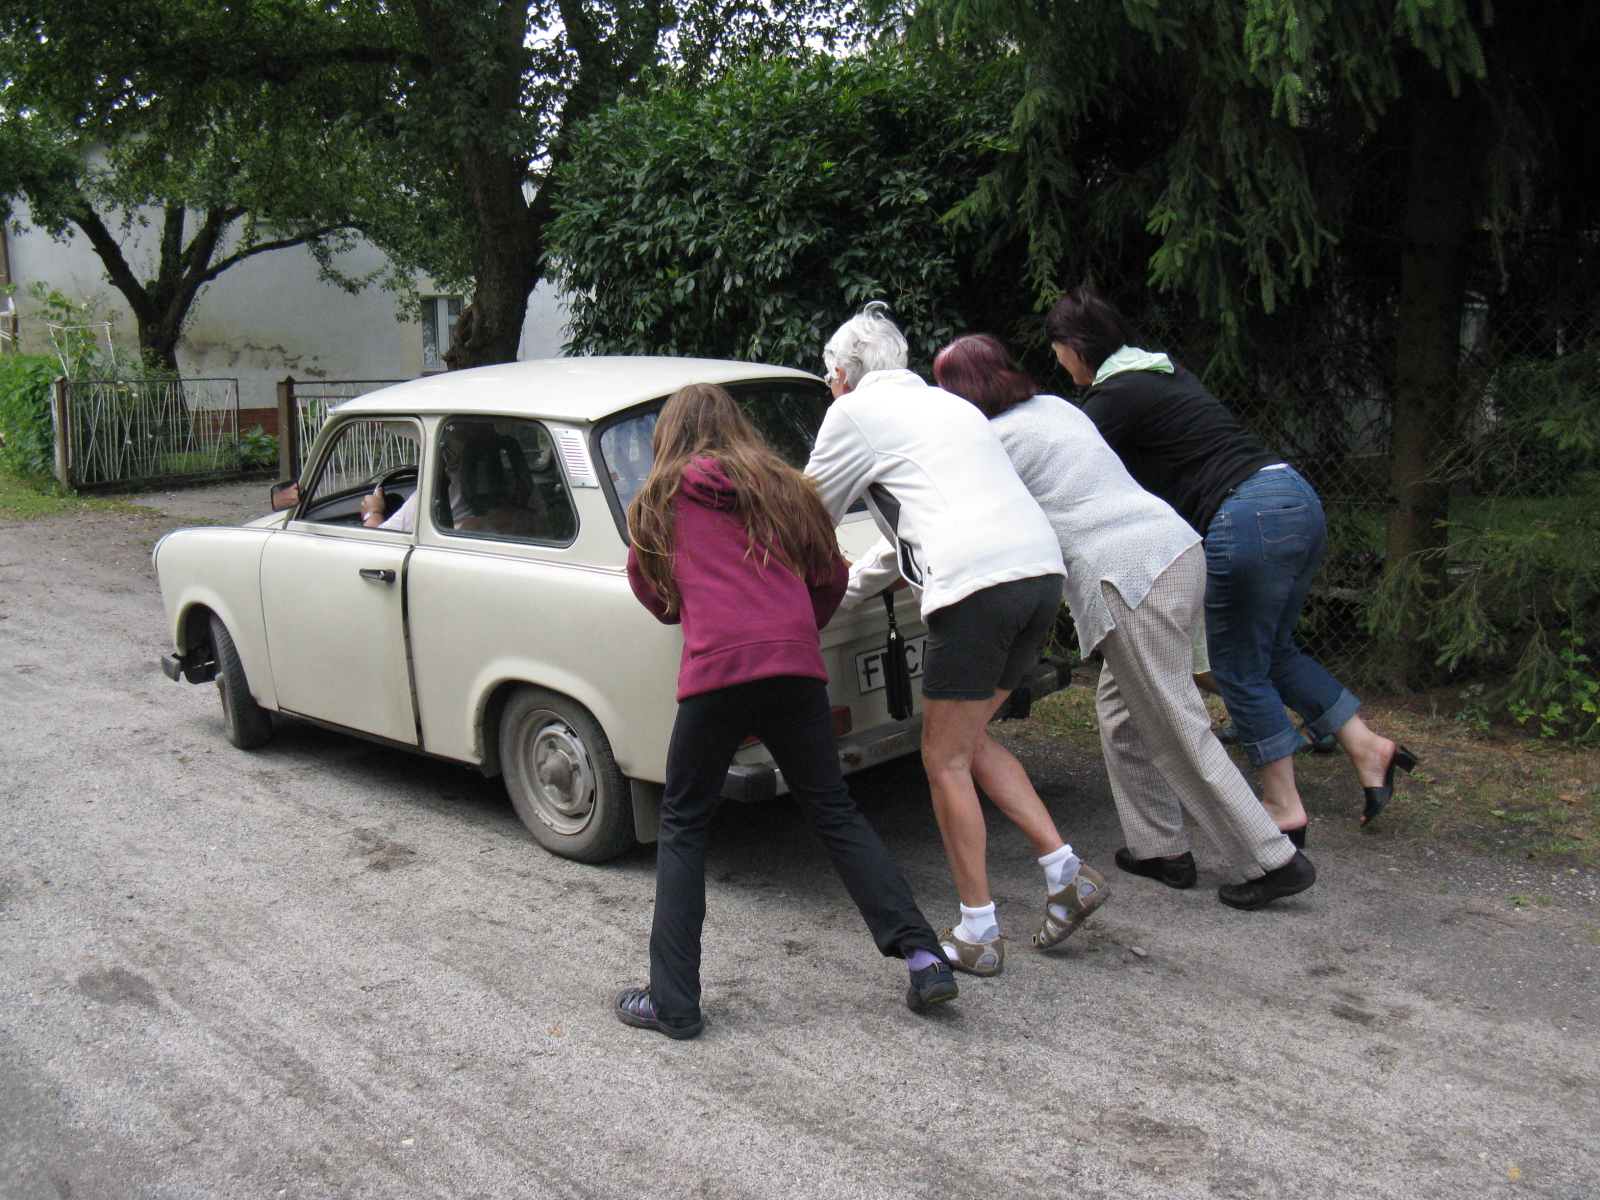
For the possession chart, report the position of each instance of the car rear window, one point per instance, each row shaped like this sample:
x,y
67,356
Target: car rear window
x,y
788,414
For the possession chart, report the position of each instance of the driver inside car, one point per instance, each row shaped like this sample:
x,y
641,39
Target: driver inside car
x,y
404,520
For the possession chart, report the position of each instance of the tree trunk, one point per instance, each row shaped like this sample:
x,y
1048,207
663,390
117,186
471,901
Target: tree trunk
x,y
158,343
506,266
1441,186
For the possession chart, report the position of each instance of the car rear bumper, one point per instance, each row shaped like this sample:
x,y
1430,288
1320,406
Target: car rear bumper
x,y
198,666
751,783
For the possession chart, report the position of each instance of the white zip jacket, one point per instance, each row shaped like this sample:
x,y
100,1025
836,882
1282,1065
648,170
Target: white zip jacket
x,y
954,516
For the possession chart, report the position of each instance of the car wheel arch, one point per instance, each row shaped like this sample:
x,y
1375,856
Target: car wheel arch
x,y
194,627
494,696
488,726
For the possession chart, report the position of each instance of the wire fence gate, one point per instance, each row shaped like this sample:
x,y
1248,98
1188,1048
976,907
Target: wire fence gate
x,y
142,432
303,407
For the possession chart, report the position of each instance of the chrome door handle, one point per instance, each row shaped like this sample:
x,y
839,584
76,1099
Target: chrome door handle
x,y
382,576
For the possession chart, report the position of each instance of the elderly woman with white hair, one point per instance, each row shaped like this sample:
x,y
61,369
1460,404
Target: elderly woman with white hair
x,y
961,529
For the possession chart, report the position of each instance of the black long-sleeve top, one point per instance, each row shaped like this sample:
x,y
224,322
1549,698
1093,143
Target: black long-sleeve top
x,y
1176,439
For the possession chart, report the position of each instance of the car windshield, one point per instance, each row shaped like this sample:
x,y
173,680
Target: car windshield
x,y
788,415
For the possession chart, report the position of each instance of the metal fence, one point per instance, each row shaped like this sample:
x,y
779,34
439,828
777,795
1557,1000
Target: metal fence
x,y
303,407
1520,477
133,432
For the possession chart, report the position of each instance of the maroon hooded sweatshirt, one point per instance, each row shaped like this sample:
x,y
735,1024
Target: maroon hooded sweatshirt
x,y
741,620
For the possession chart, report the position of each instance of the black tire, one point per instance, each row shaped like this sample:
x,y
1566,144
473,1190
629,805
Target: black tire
x,y
248,724
561,777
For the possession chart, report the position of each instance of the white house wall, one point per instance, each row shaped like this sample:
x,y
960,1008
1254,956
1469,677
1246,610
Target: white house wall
x,y
268,317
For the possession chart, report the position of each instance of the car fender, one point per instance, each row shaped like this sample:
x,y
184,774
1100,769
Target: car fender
x,y
219,569
637,724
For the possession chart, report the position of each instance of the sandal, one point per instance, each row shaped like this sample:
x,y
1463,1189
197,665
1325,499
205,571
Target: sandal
x,y
1066,910
975,958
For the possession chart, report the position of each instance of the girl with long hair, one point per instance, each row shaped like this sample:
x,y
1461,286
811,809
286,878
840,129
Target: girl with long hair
x,y
732,543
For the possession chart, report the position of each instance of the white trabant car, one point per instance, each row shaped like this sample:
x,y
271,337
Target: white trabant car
x,y
500,630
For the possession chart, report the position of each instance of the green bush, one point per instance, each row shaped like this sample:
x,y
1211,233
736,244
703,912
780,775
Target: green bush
x,y
27,439
747,218
257,448
1521,569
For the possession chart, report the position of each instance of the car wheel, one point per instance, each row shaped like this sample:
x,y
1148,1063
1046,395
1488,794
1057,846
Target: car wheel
x,y
249,725
560,775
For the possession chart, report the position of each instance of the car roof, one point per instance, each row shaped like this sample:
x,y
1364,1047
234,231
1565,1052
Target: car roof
x,y
565,389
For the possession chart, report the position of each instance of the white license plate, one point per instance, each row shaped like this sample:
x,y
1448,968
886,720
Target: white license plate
x,y
869,666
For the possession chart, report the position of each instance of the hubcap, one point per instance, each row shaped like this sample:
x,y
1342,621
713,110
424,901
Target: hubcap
x,y
558,778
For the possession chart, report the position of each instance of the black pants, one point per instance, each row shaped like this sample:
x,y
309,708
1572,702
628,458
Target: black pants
x,y
790,715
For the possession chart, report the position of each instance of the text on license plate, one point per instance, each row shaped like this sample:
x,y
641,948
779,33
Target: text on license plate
x,y
869,666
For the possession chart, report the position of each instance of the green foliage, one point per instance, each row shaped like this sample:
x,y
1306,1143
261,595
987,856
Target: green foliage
x,y
256,448
1522,558
747,218
27,438
433,128
80,334
1556,689
1226,151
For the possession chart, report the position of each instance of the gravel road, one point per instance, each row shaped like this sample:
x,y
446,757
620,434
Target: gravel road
x,y
329,969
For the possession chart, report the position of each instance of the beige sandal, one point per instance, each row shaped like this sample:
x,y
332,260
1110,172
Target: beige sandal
x,y
1069,908
975,958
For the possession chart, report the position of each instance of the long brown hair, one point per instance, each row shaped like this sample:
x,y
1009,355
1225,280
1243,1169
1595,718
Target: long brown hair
x,y
779,507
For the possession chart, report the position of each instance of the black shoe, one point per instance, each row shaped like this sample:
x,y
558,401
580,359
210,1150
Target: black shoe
x,y
1297,835
1174,872
930,986
635,1007
1293,877
1378,797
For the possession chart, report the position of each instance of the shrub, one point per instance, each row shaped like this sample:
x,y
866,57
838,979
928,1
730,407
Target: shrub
x,y
257,448
746,219
27,439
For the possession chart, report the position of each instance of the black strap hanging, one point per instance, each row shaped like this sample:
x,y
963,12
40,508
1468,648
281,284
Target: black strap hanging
x,y
896,674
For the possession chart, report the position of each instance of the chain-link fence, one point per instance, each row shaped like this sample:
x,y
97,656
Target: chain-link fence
x,y
1521,558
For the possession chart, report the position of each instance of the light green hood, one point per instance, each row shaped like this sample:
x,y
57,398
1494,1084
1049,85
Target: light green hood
x,y
1131,358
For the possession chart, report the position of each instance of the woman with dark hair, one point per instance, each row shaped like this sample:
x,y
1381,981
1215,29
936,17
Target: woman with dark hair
x,y
1264,533
1136,582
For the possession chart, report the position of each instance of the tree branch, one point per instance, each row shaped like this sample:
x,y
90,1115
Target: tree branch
x,y
311,235
117,270
197,257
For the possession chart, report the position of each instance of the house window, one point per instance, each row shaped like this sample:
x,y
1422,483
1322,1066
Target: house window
x,y
439,317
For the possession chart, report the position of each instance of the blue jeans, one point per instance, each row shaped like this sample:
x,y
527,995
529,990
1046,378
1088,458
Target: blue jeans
x,y
1262,550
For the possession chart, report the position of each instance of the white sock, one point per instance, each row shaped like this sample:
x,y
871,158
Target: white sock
x,y
1059,868
978,924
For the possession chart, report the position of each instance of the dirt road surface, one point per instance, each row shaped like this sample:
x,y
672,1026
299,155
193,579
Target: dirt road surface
x,y
329,969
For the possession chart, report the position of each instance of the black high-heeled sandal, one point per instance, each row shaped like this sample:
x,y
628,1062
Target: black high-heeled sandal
x,y
1378,797
1297,835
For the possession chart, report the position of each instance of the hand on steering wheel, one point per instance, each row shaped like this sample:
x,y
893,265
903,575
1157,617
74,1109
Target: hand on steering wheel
x,y
375,505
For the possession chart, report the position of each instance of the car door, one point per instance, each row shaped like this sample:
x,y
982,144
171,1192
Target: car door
x,y
333,591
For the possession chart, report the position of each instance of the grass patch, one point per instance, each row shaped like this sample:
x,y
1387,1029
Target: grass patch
x,y
27,498
1499,791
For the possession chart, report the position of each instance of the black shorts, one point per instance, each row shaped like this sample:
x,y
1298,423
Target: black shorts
x,y
989,640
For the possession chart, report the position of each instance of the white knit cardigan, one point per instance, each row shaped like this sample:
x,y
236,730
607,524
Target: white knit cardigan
x,y
1110,528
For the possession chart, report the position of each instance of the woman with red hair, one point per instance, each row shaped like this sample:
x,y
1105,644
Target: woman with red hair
x,y
1136,585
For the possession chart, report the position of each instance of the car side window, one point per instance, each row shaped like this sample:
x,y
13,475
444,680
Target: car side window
x,y
500,478
365,454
